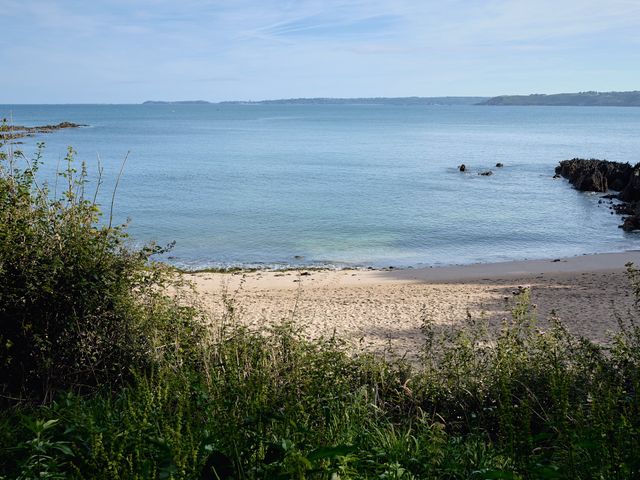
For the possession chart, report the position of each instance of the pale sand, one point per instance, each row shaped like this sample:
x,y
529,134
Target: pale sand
x,y
382,310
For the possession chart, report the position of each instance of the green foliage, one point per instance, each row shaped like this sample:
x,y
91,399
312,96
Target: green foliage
x,y
534,404
44,457
78,308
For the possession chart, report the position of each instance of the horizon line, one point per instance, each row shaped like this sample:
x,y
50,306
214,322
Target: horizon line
x,y
211,102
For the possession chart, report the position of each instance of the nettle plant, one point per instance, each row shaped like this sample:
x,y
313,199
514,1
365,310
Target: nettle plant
x,y
79,307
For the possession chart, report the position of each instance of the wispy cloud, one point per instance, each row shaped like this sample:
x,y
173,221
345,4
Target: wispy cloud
x,y
325,26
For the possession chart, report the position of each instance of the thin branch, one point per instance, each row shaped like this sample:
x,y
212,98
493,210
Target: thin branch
x,y
99,181
115,188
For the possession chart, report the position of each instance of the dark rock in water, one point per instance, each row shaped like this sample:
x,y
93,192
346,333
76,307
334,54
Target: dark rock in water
x,y
486,174
462,168
593,182
557,175
599,176
499,165
624,209
631,223
595,175
631,191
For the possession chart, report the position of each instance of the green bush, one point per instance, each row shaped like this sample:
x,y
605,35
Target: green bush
x,y
78,306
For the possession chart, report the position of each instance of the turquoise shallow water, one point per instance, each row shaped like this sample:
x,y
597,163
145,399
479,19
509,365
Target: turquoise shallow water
x,y
284,185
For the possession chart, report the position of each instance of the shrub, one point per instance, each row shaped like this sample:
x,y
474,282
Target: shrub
x,y
78,306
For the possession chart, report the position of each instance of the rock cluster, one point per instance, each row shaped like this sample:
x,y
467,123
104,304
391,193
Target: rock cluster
x,y
484,173
11,132
603,175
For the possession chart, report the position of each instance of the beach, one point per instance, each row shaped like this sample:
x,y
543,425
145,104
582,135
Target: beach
x,y
382,311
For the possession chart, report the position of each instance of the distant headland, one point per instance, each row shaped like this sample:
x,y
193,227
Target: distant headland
x,y
580,99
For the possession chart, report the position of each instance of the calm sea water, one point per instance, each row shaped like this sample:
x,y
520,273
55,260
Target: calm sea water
x,y
348,185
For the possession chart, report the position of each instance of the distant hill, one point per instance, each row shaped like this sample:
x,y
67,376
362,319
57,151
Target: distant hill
x,y
603,99
367,101
179,102
581,99
339,101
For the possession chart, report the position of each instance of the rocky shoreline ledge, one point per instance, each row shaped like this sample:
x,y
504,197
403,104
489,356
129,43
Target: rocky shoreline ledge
x,y
603,175
13,132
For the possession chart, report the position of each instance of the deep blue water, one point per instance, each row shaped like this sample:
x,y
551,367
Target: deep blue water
x,y
348,185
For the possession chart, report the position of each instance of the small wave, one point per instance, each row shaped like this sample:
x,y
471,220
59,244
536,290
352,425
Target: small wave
x,y
200,265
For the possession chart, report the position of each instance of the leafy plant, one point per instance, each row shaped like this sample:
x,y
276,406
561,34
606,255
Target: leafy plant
x,y
45,458
78,307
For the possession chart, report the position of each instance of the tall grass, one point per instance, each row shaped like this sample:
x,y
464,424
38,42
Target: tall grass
x,y
207,398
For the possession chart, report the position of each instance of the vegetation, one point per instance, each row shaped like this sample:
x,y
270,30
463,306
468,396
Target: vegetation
x,y
105,375
78,307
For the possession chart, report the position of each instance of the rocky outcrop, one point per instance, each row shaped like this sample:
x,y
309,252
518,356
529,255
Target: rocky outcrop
x,y
595,175
11,132
631,191
631,223
602,175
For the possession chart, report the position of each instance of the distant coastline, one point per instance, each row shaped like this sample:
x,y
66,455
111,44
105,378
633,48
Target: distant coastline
x,y
580,99
336,101
178,102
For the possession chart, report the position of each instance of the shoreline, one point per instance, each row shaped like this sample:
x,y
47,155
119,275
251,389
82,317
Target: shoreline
x,y
596,262
382,311
451,272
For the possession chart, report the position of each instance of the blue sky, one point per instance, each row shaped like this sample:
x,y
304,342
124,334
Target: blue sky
x,y
127,51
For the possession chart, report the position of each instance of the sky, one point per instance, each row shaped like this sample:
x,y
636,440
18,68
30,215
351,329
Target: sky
x,y
128,51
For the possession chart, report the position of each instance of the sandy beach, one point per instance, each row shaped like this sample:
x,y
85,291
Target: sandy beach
x,y
382,310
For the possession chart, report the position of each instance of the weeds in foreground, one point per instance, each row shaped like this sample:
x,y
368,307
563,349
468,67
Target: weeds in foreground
x,y
531,405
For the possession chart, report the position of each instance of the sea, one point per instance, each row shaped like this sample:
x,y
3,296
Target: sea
x,y
279,186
